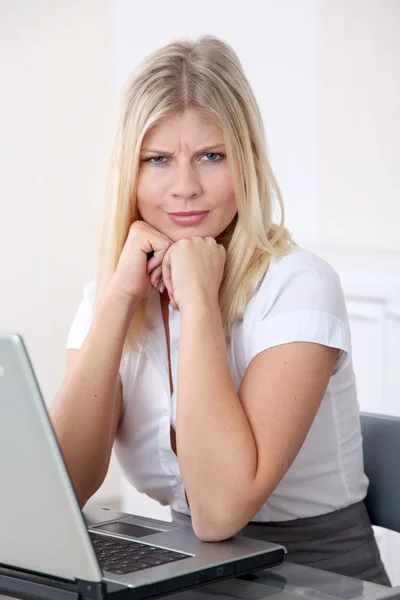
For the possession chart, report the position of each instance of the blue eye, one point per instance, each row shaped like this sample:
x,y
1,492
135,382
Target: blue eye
x,y
214,157
157,160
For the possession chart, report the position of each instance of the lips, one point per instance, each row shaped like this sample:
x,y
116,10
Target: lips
x,y
188,218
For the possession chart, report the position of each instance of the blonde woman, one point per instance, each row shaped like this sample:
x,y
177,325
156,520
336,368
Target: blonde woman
x,y
212,351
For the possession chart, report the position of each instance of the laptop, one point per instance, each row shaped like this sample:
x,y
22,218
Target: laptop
x,y
50,548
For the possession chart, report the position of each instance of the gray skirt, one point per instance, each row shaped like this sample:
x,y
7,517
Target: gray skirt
x,y
342,542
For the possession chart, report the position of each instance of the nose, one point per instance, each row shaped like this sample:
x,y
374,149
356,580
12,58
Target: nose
x,y
185,183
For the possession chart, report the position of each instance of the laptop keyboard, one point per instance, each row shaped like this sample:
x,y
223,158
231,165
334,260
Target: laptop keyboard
x,y
124,556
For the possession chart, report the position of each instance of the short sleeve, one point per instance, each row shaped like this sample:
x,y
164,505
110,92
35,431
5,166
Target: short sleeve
x,y
83,318
299,300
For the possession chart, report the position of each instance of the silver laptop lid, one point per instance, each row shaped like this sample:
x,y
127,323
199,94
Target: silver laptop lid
x,y
41,525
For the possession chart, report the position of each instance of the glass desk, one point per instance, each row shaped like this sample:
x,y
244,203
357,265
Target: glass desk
x,y
290,582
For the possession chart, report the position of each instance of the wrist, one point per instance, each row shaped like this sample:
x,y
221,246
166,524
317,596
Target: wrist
x,y
200,308
119,300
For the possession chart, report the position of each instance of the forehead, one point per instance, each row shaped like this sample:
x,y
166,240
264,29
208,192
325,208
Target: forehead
x,y
191,127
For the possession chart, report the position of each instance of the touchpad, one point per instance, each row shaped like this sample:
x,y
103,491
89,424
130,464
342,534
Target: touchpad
x,y
128,529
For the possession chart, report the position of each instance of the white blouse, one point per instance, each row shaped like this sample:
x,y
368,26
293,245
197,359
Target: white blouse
x,y
299,299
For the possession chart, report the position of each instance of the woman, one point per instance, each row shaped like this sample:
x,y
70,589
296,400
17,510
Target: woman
x,y
212,350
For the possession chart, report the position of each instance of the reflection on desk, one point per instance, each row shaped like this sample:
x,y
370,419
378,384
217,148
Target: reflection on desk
x,y
290,580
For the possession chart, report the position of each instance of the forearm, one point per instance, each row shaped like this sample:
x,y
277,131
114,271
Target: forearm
x,y
83,410
216,447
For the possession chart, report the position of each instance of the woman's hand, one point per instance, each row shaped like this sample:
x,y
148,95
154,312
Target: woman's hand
x,y
136,275
192,271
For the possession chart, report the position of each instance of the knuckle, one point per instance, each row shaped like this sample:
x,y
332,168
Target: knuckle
x,y
134,229
182,243
136,225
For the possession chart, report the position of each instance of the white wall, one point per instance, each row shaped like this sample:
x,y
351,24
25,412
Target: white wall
x,y
359,124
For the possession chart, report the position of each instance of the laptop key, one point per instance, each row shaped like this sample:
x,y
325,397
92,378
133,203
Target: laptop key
x,y
163,558
152,561
125,556
176,555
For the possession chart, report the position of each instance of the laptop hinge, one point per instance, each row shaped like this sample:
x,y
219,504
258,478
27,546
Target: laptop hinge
x,y
91,589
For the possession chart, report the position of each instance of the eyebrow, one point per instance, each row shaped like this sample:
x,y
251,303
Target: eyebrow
x,y
201,151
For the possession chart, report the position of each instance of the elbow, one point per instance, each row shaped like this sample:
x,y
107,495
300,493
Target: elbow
x,y
85,486
84,493
216,526
213,532
218,520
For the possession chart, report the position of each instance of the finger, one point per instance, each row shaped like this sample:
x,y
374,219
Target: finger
x,y
172,300
151,264
167,273
156,258
155,276
167,279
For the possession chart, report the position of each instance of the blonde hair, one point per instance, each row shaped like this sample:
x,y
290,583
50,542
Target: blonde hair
x,y
204,75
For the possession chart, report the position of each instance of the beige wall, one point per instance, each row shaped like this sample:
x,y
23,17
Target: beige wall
x,y
55,110
359,123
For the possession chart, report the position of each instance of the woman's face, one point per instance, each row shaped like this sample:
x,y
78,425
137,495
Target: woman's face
x,y
184,185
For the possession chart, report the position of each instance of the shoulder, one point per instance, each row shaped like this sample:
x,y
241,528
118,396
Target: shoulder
x,y
300,299
300,280
88,299
83,316
295,269
89,291
299,258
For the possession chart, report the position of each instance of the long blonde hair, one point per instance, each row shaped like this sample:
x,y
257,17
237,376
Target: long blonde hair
x,y
204,75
